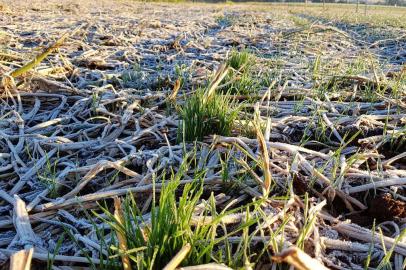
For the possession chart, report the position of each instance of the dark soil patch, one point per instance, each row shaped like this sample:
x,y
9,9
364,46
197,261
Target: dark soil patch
x,y
381,208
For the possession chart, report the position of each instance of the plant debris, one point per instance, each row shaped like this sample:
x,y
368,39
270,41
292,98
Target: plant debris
x,y
202,136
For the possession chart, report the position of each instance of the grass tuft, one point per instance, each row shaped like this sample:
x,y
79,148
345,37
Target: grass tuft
x,y
202,117
240,80
240,60
151,241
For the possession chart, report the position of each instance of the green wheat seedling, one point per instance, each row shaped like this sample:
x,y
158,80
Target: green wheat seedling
x,y
224,20
183,74
152,240
95,101
385,263
202,117
316,68
298,21
371,248
240,60
244,84
240,80
51,257
397,139
106,240
240,253
309,221
49,178
335,159
152,243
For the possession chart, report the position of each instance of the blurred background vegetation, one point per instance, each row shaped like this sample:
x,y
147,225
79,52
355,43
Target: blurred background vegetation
x,y
369,2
